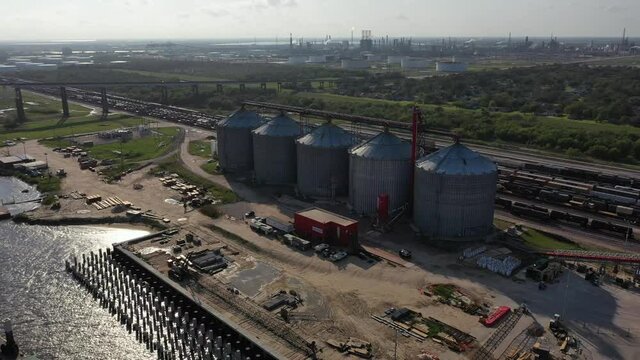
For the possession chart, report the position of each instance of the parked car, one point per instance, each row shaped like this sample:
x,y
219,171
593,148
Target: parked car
x,y
250,214
321,247
338,256
405,254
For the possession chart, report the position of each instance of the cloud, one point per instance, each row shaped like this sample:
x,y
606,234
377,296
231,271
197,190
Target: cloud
x,y
284,3
215,12
264,4
614,9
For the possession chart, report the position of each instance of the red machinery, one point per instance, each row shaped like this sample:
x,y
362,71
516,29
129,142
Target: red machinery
x,y
495,316
383,207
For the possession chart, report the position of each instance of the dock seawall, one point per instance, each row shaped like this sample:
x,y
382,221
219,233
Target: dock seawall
x,y
162,314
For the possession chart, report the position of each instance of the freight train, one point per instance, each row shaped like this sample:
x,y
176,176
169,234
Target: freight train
x,y
582,175
538,212
621,202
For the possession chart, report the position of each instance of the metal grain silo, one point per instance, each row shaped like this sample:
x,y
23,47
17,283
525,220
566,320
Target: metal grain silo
x,y
274,150
235,143
323,161
454,194
380,165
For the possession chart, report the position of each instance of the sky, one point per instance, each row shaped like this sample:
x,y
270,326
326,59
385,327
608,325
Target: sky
x,y
219,19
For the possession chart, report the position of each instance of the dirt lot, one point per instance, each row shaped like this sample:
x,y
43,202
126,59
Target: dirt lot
x,y
339,298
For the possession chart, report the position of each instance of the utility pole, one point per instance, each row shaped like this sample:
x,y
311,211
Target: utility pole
x,y
626,236
395,347
564,300
121,153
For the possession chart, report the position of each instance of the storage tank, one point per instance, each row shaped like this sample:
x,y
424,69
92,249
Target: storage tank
x,y
274,150
297,60
354,64
454,194
235,143
323,161
414,63
379,165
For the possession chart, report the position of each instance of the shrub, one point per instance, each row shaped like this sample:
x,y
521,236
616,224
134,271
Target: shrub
x,y
211,211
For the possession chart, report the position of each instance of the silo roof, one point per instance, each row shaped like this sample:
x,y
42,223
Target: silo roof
x,y
384,146
457,159
327,136
281,125
243,119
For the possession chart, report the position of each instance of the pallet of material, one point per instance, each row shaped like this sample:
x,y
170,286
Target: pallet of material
x,y
360,352
403,325
93,198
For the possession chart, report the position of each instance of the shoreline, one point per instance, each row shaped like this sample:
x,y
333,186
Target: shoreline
x,y
30,219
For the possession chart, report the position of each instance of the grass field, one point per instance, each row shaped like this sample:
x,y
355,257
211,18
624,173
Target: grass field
x,y
140,149
167,75
201,148
502,224
210,167
44,114
44,183
540,240
36,107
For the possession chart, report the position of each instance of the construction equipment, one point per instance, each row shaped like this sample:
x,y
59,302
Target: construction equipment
x,y
353,346
558,329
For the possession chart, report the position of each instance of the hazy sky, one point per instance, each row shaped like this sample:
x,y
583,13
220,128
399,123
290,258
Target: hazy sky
x,y
175,19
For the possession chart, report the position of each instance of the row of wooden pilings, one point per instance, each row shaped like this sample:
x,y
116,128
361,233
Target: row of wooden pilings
x,y
161,319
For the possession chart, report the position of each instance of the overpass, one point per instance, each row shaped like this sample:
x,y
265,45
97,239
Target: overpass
x,y
164,86
17,82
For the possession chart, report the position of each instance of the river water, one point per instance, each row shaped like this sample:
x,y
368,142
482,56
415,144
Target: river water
x,y
53,317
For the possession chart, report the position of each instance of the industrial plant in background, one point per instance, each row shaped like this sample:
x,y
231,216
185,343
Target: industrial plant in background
x,y
235,141
454,194
274,150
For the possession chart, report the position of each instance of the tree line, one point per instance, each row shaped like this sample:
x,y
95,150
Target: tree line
x,y
601,93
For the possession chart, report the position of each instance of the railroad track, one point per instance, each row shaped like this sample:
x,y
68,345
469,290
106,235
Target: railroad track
x,y
485,352
525,340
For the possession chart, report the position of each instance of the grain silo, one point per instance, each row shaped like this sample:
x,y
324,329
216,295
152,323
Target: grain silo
x,y
380,165
274,150
454,195
235,143
323,161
